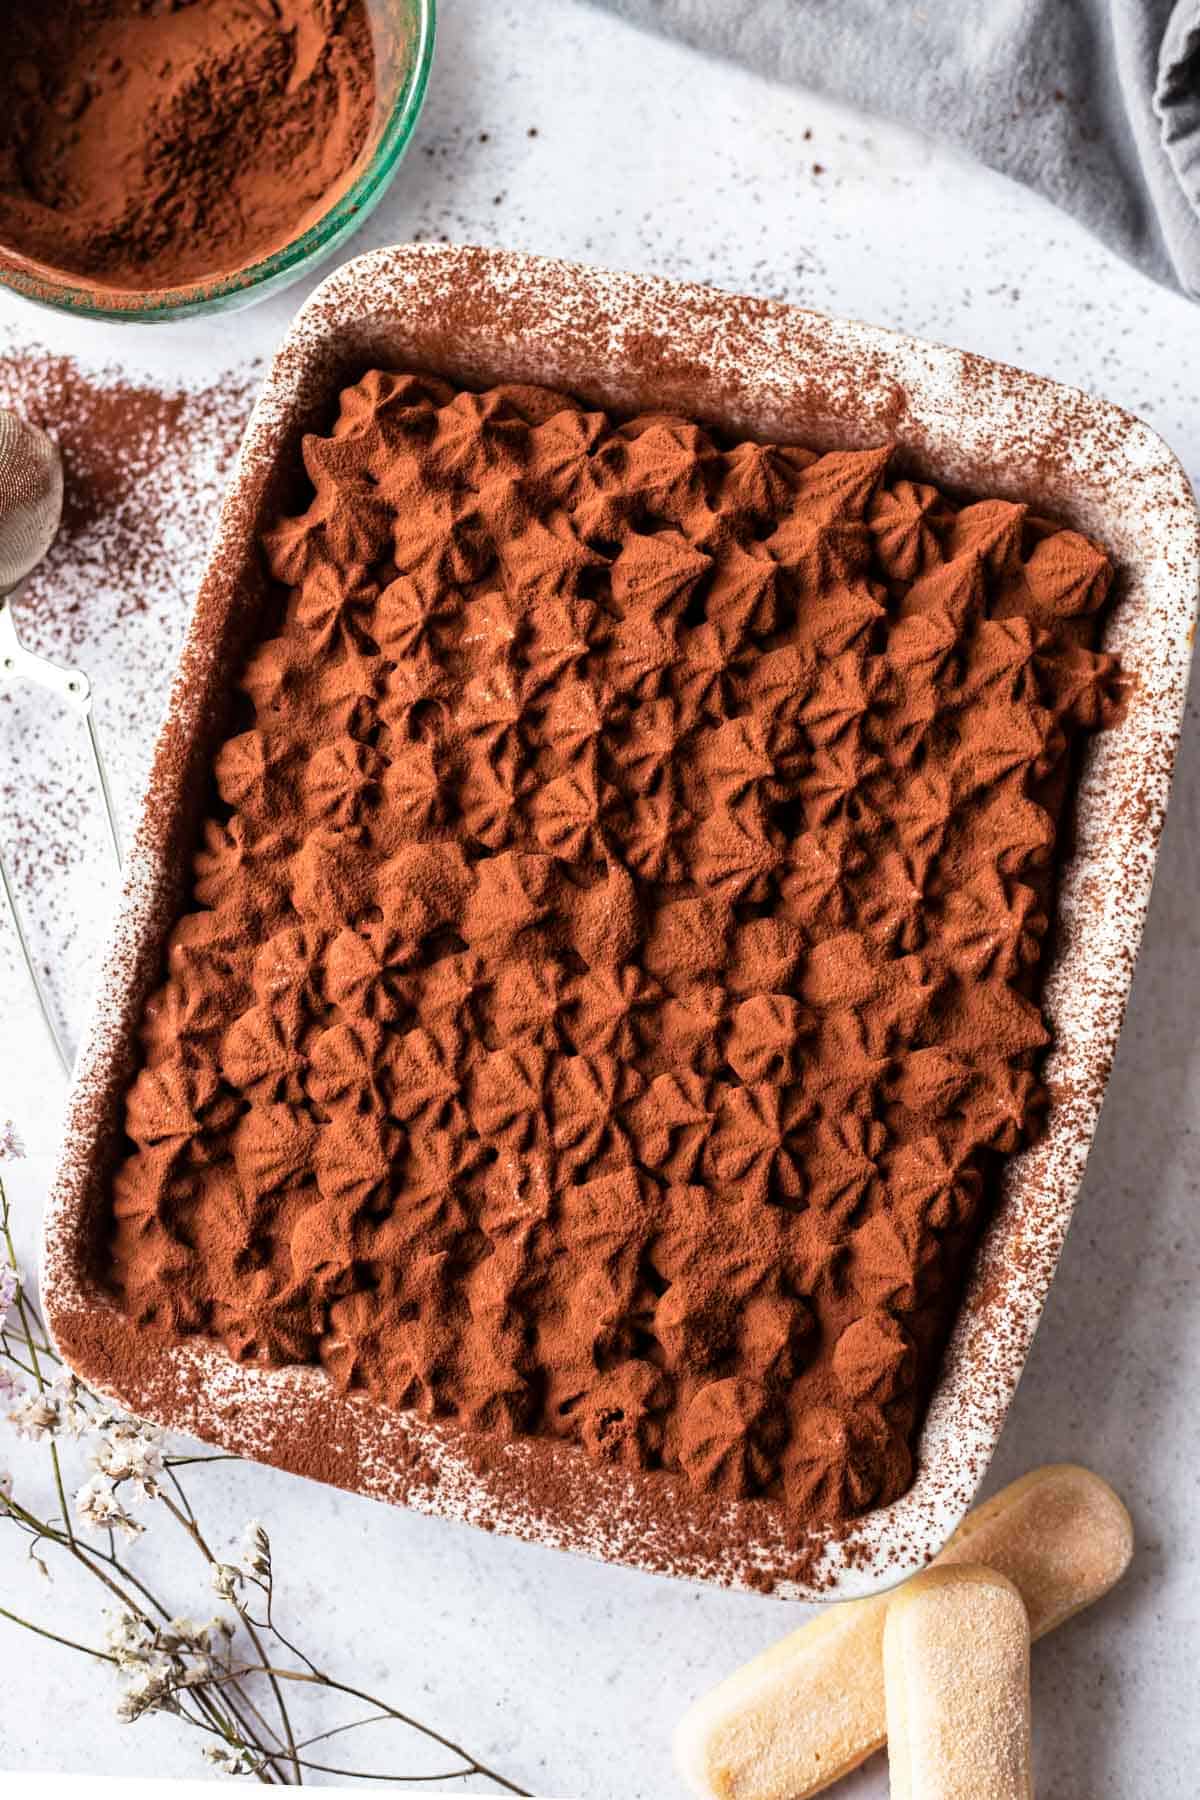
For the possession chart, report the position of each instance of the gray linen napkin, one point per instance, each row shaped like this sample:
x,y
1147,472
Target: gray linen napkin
x,y
1096,103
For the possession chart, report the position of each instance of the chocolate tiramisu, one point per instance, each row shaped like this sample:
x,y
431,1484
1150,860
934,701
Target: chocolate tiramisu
x,y
610,984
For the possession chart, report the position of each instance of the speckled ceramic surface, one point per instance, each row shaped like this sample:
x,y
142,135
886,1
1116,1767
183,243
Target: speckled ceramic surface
x,y
763,369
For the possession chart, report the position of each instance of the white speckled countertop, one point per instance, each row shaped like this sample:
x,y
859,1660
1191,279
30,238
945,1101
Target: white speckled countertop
x,y
566,1675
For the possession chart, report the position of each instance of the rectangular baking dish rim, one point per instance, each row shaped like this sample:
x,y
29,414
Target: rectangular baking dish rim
x,y
767,369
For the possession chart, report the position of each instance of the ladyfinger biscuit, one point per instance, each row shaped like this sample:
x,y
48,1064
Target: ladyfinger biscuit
x,y
956,1679
812,1707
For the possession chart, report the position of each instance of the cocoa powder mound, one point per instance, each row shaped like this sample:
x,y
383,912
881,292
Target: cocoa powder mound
x,y
611,982
149,143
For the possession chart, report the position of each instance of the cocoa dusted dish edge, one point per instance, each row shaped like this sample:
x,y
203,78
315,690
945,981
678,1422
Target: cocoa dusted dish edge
x,y
645,628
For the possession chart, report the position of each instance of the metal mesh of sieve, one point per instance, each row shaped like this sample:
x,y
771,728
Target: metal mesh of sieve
x,y
31,492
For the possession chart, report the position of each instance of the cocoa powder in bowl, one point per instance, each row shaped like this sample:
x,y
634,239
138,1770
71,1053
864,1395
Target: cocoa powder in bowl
x,y
609,984
145,144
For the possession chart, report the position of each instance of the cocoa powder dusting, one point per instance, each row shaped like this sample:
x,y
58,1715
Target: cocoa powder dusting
x,y
142,468
610,988
149,143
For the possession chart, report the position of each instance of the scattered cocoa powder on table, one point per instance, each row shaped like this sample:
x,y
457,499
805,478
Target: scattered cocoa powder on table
x,y
144,468
610,984
149,143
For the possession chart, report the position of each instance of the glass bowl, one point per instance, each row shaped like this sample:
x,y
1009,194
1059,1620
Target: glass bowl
x,y
403,33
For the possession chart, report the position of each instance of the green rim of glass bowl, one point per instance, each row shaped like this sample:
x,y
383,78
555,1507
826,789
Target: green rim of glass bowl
x,y
271,273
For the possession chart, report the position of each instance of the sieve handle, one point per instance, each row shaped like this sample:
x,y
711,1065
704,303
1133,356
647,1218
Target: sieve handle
x,y
73,686
19,664
31,968
70,685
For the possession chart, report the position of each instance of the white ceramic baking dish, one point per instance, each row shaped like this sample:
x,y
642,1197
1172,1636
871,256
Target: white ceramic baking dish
x,y
761,369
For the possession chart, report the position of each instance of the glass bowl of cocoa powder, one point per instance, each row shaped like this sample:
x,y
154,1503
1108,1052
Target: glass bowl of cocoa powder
x,y
160,163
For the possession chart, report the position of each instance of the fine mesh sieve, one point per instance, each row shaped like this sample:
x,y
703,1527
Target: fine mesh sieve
x,y
31,496
31,499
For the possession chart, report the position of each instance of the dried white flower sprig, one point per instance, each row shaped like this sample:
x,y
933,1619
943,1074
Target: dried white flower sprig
x,y
226,1676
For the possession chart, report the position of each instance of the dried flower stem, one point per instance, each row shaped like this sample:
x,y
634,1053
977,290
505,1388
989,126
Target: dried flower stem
x,y
170,1664
341,1687
44,1632
188,1521
85,1557
24,1314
